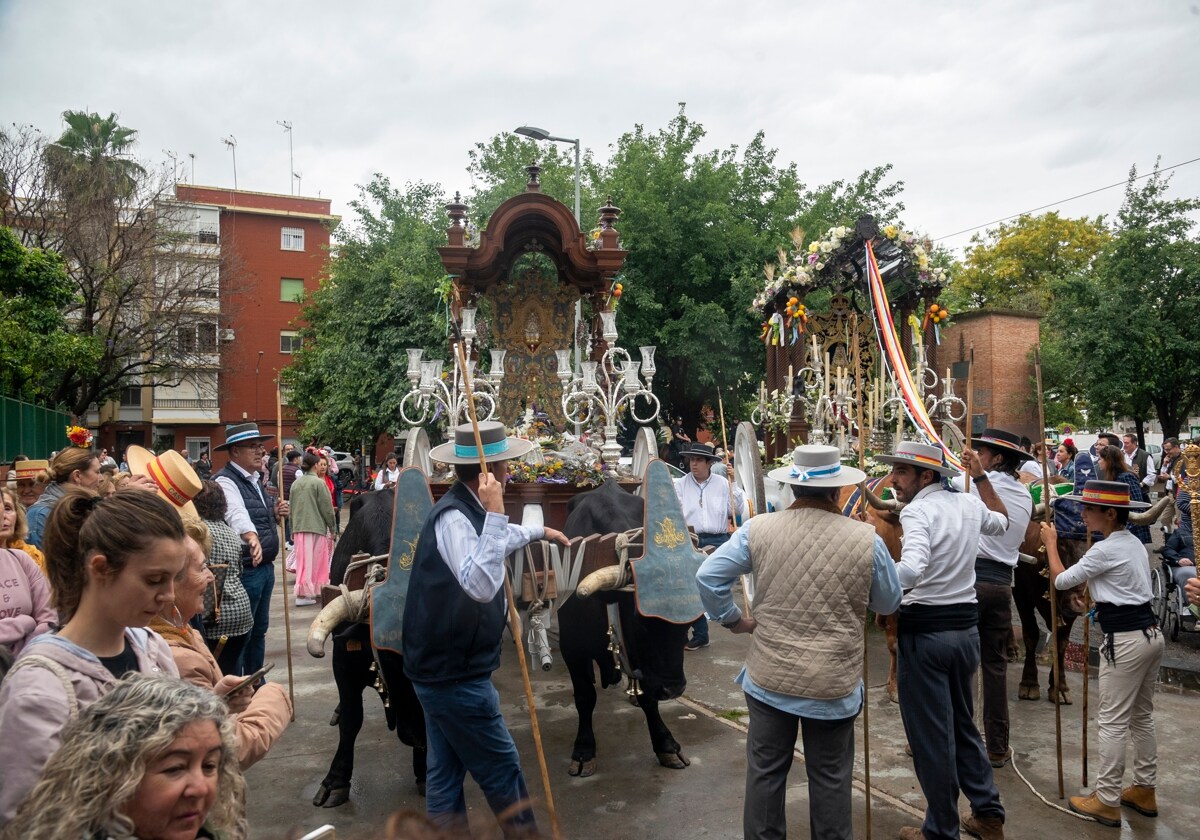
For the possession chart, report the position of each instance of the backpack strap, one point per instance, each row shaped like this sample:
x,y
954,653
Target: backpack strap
x,y
59,671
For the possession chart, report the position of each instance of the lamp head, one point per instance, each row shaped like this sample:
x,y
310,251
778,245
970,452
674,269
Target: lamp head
x,y
532,132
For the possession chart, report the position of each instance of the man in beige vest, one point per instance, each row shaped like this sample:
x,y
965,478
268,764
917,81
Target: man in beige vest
x,y
816,572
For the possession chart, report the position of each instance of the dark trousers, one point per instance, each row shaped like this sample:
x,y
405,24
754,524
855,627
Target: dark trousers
x,y
700,625
934,672
465,732
229,658
828,759
994,601
260,583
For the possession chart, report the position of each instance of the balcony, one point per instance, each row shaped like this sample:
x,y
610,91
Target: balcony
x,y
186,410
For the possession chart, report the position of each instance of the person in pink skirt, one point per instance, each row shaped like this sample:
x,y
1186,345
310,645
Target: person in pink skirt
x,y
312,527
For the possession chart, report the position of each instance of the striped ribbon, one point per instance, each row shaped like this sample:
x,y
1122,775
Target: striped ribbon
x,y
897,364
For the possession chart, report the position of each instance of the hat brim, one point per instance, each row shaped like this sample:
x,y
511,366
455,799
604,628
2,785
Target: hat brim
x,y
705,455
1131,505
224,447
444,453
941,469
1000,446
846,477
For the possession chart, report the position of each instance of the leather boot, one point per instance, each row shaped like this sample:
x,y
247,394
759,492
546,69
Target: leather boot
x,y
985,828
1141,799
1091,806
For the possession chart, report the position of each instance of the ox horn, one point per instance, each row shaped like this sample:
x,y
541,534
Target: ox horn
x,y
610,577
1147,516
880,504
334,613
1039,511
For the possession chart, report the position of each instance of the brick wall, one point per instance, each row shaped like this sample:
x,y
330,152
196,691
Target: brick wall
x,y
1003,387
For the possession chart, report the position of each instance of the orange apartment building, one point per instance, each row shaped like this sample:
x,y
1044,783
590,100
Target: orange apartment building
x,y
268,249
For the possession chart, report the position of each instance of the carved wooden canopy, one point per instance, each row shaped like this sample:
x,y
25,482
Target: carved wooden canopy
x,y
532,221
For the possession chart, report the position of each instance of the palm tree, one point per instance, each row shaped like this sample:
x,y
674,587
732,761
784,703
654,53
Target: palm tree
x,y
91,159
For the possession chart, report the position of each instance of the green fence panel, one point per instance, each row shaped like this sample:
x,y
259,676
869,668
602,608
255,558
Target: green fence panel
x,y
30,429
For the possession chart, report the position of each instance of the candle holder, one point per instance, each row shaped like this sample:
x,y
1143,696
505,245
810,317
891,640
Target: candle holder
x,y
430,394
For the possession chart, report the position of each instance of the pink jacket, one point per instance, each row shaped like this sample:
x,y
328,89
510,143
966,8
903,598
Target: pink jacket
x,y
25,609
35,704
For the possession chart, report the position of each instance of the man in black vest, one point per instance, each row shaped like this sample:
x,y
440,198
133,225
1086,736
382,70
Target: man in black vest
x,y
453,618
251,514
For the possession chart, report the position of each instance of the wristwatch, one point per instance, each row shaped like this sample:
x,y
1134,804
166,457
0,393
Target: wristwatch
x,y
979,478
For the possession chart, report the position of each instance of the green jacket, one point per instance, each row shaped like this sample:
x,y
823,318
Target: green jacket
x,y
311,505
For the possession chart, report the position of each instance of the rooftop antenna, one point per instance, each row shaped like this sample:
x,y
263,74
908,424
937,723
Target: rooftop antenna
x,y
299,176
174,164
192,155
231,142
287,126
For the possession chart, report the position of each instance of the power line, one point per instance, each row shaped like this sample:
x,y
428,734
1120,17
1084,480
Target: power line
x,y
1065,200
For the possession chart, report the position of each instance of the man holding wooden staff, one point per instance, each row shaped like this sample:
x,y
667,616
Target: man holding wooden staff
x,y
453,619
1000,455
938,642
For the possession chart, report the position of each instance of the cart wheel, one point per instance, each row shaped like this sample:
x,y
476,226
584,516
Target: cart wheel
x,y
1158,597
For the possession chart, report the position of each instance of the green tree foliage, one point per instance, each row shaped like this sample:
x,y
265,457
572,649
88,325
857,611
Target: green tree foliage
x,y
380,298
1132,326
498,172
34,292
92,159
1014,265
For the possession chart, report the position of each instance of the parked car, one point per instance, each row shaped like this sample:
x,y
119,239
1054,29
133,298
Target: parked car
x,y
345,462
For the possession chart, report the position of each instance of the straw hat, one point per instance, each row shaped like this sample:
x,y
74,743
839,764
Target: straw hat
x,y
174,479
28,469
919,455
1113,494
497,445
241,433
817,466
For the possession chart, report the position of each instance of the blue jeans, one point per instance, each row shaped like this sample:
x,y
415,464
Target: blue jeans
x,y
700,625
260,583
933,673
466,732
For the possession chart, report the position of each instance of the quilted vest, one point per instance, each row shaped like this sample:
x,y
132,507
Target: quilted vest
x,y
260,515
812,573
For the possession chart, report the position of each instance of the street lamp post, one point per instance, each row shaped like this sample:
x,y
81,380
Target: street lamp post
x,y
535,133
257,365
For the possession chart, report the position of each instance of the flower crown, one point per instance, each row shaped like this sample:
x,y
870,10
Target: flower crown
x,y
79,436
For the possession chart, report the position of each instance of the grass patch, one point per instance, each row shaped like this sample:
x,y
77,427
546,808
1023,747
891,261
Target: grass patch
x,y
734,715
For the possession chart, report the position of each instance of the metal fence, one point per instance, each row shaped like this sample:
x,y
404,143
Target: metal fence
x,y
30,429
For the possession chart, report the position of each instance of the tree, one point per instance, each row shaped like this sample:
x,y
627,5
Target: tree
x,y
1132,326
381,297
139,285
34,292
498,172
1014,265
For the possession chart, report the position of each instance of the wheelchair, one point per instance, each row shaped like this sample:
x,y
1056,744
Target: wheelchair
x,y
1164,600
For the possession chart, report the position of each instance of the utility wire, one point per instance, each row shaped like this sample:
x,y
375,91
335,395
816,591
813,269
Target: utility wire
x,y
1065,200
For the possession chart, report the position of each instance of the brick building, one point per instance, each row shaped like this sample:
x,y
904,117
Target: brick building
x,y
1004,395
268,250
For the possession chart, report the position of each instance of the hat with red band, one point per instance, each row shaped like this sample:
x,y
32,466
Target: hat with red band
x,y
1113,494
919,455
174,479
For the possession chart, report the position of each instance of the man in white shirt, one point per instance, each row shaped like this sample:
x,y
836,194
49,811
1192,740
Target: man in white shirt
x,y
1139,460
999,453
705,499
938,643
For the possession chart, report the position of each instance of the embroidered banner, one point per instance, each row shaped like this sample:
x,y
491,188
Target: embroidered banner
x,y
665,575
413,503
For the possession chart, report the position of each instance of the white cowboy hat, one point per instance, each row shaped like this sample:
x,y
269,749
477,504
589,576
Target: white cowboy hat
x,y
497,445
814,465
919,455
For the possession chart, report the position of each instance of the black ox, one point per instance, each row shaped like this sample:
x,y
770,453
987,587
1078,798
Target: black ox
x,y
356,665
653,648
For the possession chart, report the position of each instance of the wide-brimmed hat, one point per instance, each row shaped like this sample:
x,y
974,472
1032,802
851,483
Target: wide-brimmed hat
x,y
28,469
1113,494
919,455
1001,441
814,465
241,433
174,479
701,450
497,445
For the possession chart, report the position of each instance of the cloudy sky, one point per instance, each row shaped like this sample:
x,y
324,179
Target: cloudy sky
x,y
985,109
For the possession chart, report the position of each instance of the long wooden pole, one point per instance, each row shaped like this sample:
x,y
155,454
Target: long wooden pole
x,y
866,670
970,410
1053,593
287,623
732,498
1087,656
512,609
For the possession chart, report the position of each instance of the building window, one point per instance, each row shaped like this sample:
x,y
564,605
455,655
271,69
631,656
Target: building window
x,y
131,396
292,239
289,341
196,446
291,290
197,338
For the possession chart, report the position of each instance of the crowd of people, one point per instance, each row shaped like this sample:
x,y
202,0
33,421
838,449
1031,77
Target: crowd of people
x,y
136,618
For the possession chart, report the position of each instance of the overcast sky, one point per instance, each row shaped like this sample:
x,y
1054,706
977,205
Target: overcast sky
x,y
985,109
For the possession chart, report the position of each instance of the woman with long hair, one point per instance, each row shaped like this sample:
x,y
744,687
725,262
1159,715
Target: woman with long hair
x,y
112,565
16,538
152,759
1111,466
312,525
261,716
71,467
27,611
1064,459
227,627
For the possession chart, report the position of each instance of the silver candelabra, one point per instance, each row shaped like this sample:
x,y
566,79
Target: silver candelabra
x,y
429,390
